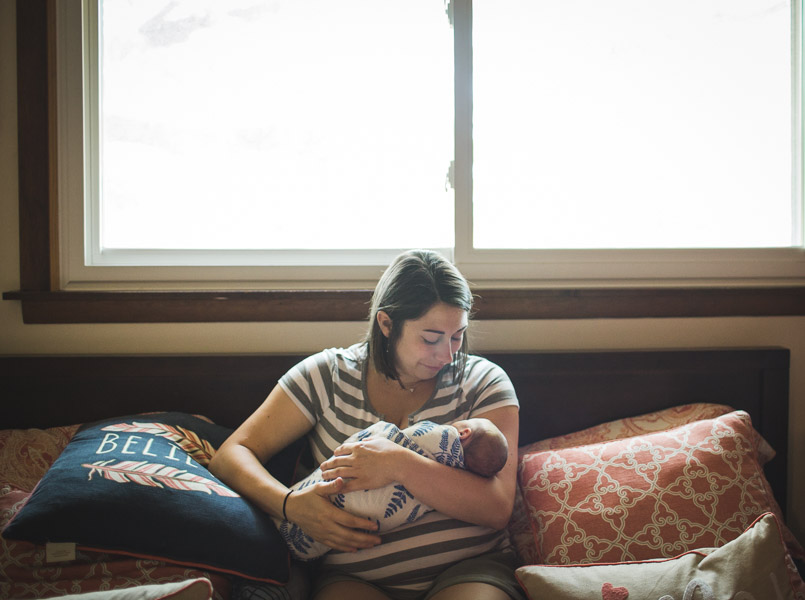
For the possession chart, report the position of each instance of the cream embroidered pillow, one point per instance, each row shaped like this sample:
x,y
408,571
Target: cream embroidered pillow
x,y
754,566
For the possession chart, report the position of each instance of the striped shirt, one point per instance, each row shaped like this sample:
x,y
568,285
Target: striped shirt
x,y
330,389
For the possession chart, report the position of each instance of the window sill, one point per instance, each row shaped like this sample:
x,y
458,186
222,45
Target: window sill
x,y
48,307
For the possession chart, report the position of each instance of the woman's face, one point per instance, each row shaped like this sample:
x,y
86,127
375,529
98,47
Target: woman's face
x,y
429,343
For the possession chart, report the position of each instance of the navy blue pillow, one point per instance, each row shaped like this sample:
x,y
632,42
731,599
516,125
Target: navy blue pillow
x,y
138,485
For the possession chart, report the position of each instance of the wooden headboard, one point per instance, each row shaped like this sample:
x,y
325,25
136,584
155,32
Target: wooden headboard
x,y
559,392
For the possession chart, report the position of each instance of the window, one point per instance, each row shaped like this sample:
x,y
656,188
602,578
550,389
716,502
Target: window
x,y
531,140
632,124
275,125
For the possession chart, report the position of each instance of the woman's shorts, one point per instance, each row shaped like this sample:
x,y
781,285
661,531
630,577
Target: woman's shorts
x,y
493,568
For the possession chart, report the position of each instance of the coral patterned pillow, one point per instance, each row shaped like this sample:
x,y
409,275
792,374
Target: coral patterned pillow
x,y
649,496
520,528
652,422
26,454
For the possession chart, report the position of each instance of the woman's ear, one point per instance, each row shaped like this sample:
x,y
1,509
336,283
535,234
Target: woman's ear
x,y
384,322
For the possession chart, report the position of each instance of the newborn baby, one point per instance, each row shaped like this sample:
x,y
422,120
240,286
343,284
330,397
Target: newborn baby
x,y
473,444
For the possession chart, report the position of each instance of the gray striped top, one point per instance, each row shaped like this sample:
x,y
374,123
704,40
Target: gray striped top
x,y
330,389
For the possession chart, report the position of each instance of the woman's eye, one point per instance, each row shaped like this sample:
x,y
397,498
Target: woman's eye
x,y
429,342
458,338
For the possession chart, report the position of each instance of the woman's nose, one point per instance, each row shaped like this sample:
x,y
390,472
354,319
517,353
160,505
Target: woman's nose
x,y
446,352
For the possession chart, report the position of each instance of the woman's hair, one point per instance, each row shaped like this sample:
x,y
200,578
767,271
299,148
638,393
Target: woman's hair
x,y
414,282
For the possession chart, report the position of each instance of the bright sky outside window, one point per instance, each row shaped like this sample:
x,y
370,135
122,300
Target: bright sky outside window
x,y
632,124
276,124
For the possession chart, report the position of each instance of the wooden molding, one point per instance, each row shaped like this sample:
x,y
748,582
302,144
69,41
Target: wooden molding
x,y
353,305
34,142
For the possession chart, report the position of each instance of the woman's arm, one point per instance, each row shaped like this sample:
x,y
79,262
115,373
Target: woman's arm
x,y
376,462
239,463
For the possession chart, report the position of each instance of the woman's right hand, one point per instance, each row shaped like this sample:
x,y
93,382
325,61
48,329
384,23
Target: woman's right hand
x,y
311,509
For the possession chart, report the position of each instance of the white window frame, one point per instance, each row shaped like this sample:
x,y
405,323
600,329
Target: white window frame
x,y
77,164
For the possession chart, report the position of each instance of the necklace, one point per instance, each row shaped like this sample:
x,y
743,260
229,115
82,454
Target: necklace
x,y
411,389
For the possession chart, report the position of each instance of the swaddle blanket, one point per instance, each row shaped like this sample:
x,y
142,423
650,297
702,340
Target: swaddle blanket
x,y
392,505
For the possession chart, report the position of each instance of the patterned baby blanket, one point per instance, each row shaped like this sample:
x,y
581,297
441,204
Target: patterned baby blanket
x,y
390,506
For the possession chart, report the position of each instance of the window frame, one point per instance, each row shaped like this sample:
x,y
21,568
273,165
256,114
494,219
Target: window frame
x,y
44,301
87,265
308,269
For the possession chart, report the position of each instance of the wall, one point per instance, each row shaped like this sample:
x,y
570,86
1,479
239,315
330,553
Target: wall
x,y
17,338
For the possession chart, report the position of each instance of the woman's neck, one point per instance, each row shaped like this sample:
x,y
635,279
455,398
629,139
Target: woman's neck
x,y
395,402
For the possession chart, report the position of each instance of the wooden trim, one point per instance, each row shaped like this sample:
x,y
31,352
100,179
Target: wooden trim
x,y
41,303
33,139
654,302
53,151
193,307
353,305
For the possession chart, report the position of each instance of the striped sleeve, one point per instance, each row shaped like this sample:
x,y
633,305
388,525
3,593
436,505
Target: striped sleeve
x,y
308,384
488,386
327,387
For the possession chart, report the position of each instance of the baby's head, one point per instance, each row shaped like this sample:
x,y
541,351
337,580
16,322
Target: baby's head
x,y
485,447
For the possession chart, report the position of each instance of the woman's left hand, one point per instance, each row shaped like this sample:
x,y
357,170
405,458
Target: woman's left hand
x,y
366,465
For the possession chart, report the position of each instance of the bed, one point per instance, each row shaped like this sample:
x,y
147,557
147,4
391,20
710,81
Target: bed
x,y
580,411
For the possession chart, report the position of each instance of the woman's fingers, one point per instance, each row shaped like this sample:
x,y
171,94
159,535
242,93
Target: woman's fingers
x,y
347,539
329,466
328,488
339,529
342,450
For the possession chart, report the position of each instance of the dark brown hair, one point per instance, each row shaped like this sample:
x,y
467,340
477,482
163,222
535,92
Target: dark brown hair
x,y
414,282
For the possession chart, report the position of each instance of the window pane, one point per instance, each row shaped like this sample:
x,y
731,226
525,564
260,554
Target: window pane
x,y
632,123
276,124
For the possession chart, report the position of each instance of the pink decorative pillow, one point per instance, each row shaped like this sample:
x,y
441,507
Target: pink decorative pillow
x,y
520,525
652,422
26,454
648,496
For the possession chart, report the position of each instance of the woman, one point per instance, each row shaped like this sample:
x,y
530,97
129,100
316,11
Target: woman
x,y
412,366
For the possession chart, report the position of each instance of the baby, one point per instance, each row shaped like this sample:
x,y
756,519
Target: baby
x,y
473,444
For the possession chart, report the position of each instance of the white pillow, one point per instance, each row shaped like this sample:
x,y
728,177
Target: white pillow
x,y
754,566
191,589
